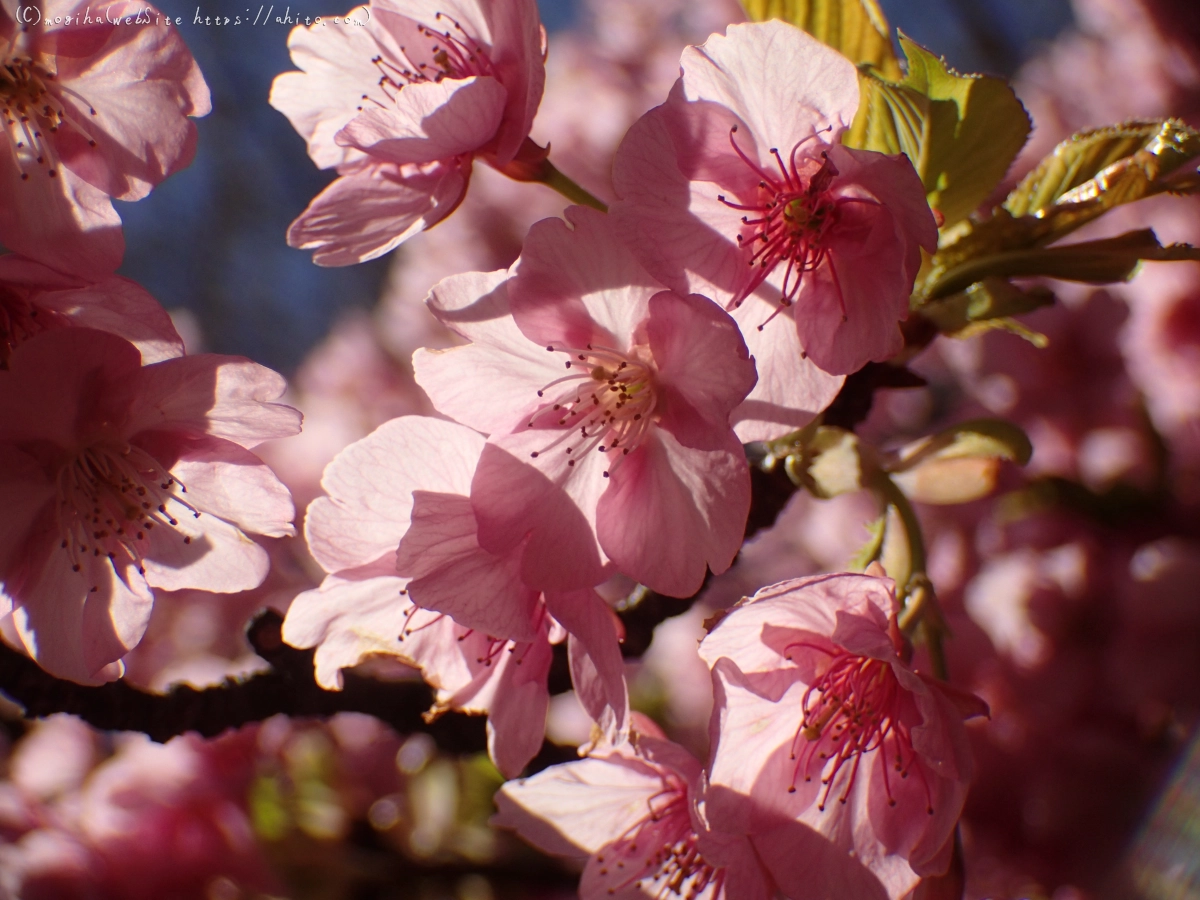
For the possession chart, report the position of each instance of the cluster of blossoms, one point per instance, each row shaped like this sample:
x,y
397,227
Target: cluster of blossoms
x,y
601,388
127,465
587,422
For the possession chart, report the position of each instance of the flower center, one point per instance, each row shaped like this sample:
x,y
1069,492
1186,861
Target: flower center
x,y
661,851
608,396
19,321
451,53
110,499
851,710
31,113
788,219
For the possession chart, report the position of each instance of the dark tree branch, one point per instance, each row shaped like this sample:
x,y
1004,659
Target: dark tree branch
x,y
288,688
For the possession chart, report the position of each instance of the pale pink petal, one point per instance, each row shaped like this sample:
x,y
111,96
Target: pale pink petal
x,y
704,368
700,498
744,68
116,305
336,62
464,382
518,53
215,556
141,85
578,284
25,491
41,394
755,719
431,121
791,389
374,208
63,221
451,659
517,715
370,486
577,808
76,623
744,636
223,396
635,879
347,621
892,179
851,306
597,667
227,481
668,212
547,498
450,573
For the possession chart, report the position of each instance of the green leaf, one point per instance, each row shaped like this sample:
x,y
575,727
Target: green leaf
x,y
1092,262
961,132
986,305
1154,163
1082,156
891,118
856,28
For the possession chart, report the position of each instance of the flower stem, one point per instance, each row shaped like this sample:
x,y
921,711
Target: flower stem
x,y
894,497
532,163
921,609
553,178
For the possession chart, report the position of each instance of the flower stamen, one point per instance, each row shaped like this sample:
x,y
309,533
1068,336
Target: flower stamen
x,y
609,397
109,501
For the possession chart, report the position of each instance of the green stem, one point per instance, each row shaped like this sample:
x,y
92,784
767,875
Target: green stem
x,y
908,516
553,178
921,608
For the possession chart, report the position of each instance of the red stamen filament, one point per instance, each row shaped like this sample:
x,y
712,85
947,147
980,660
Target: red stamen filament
x,y
851,710
661,851
608,396
787,222
455,54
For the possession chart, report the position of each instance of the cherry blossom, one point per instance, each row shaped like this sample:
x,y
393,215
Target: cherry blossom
x,y
401,106
636,813
35,298
738,188
93,108
397,503
119,478
819,720
607,401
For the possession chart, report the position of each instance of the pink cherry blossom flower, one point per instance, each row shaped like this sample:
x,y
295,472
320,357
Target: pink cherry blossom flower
x,y
118,478
607,401
819,720
401,106
404,487
636,813
35,298
738,188
93,108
